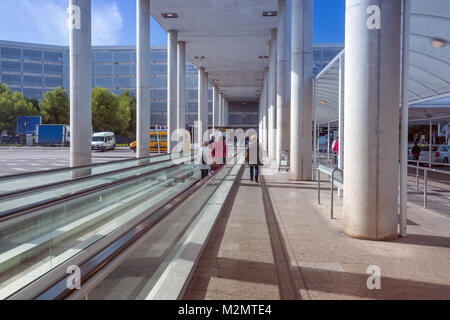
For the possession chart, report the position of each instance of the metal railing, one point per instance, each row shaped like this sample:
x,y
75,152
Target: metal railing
x,y
425,176
329,171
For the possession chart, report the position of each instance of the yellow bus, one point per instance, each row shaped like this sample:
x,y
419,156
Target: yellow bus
x,y
158,142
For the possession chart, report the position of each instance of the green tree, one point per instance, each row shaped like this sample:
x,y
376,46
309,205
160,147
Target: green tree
x,y
106,112
127,105
55,107
13,105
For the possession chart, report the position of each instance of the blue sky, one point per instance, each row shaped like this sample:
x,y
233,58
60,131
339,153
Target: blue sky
x,y
44,21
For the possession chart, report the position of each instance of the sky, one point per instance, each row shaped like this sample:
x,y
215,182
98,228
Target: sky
x,y
114,22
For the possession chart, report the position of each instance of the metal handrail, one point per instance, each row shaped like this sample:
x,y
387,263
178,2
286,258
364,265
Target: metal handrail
x,y
341,185
425,179
22,192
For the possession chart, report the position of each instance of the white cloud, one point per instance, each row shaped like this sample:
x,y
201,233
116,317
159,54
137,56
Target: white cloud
x,y
106,24
45,21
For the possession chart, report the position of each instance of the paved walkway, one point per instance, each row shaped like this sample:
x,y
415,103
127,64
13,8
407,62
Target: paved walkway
x,y
275,242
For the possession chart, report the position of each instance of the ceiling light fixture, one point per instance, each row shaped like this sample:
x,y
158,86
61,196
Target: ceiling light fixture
x,y
199,57
264,57
438,43
269,13
323,102
169,15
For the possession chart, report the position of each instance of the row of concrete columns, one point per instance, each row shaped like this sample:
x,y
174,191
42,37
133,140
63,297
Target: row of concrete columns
x,y
371,100
286,99
80,84
370,104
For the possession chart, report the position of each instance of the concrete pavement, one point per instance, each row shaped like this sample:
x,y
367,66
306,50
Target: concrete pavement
x,y
291,249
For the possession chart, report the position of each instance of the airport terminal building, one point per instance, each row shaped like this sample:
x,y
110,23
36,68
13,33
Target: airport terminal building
x,y
34,69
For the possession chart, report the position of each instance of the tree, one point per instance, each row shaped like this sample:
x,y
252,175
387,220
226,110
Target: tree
x,y
55,107
13,105
127,101
106,113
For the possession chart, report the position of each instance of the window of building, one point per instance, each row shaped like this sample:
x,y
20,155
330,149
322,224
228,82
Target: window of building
x,y
122,56
32,81
191,82
329,54
158,69
11,53
158,107
158,56
192,107
103,82
101,56
103,69
52,56
191,69
122,69
158,82
192,94
66,83
53,82
32,55
158,118
159,94
53,69
10,79
122,82
66,57
33,93
32,67
11,66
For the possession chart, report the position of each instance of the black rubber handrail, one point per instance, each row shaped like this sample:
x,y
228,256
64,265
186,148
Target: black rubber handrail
x,y
23,192
35,173
27,209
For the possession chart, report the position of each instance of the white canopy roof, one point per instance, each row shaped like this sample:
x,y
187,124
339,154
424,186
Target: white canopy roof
x,y
429,77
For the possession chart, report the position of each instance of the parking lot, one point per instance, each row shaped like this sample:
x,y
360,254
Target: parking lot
x,y
16,160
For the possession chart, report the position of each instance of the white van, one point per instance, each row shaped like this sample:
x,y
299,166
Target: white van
x,y
103,141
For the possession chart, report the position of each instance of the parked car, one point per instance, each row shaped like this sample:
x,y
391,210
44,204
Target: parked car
x,y
103,141
439,153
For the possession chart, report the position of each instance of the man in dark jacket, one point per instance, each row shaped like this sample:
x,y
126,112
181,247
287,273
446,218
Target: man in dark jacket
x,y
415,151
253,158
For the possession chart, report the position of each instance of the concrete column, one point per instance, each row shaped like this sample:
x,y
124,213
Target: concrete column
x,y
142,79
220,109
216,111
272,112
404,119
341,119
282,67
80,83
172,74
202,106
181,88
372,76
226,113
301,90
265,110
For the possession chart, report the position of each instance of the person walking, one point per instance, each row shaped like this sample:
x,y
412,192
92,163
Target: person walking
x,y
336,150
204,158
253,158
415,151
219,151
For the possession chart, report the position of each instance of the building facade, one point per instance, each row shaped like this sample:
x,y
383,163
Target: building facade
x,y
34,69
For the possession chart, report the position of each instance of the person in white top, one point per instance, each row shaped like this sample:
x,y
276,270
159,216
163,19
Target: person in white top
x,y
205,159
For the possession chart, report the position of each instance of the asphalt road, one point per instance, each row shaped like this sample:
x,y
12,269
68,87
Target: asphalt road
x,y
15,160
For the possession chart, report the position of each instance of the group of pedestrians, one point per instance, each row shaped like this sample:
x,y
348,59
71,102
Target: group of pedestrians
x,y
212,155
